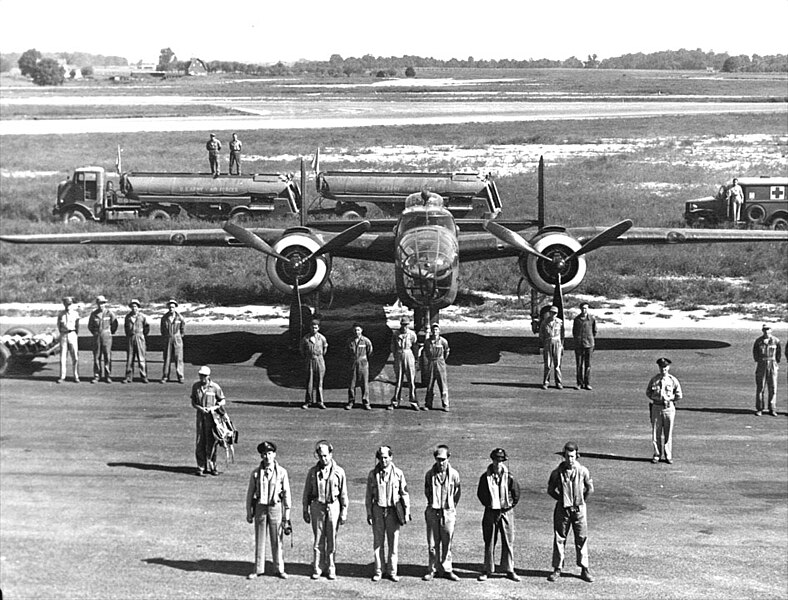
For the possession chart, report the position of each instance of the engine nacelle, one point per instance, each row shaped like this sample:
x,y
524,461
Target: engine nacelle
x,y
296,244
543,275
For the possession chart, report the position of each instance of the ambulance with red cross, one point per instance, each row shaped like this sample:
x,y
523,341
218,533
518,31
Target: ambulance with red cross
x,y
765,205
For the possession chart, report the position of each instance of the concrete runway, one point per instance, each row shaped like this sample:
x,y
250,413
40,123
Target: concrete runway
x,y
98,499
321,113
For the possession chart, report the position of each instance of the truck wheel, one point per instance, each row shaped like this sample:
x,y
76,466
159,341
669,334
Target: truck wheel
x,y
74,216
5,359
756,213
241,216
20,331
159,214
779,224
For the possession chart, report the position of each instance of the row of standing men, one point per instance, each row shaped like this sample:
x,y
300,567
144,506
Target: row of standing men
x,y
388,508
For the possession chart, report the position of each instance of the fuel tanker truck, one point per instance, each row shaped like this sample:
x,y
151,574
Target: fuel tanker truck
x,y
92,194
465,194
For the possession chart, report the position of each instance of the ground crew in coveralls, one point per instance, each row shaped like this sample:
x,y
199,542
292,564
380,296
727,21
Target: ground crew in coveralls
x,y
388,508
325,505
268,504
436,351
767,353
314,346
102,323
235,155
137,328
360,349
570,485
172,329
584,332
663,390
499,493
551,334
402,344
68,328
206,397
442,489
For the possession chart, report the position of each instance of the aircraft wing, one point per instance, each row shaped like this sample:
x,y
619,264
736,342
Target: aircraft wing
x,y
483,246
369,246
664,236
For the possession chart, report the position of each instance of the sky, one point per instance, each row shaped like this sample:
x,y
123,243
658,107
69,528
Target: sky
x,y
267,31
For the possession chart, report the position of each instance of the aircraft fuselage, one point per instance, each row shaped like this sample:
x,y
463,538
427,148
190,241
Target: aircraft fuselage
x,y
427,259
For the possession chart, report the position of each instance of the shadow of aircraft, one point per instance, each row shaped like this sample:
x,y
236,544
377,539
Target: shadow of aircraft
x,y
721,411
225,567
152,467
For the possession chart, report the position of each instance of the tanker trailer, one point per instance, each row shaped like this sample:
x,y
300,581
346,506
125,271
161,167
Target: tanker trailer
x,y
464,194
92,195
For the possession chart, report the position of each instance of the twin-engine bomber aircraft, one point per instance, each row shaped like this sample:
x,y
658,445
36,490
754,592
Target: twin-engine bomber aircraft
x,y
425,246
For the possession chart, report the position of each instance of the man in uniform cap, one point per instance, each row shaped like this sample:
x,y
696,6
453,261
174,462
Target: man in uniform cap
x,y
663,390
206,398
172,329
767,353
137,328
213,145
68,328
499,493
268,503
551,335
102,323
402,343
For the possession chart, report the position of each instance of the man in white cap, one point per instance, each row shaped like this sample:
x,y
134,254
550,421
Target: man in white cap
x,y
207,397
172,329
551,335
767,353
663,390
102,323
137,328
68,328
402,343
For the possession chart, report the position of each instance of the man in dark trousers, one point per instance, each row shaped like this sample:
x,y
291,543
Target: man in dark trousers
x,y
499,493
213,146
584,334
207,397
570,485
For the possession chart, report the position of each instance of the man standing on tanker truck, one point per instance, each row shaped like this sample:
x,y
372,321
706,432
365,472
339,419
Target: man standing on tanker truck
x,y
213,145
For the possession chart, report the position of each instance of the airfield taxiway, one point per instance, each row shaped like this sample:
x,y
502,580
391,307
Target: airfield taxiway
x,y
99,500
320,114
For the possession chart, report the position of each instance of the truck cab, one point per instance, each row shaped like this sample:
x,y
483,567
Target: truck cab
x,y
764,204
90,195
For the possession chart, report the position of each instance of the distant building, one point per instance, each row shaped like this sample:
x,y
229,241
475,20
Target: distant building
x,y
197,67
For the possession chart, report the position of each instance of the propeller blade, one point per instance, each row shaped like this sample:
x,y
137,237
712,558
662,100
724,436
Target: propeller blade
x,y
344,238
512,238
558,296
602,239
251,240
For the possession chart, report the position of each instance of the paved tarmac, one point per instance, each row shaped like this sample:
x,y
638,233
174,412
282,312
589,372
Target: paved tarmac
x,y
98,497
